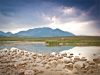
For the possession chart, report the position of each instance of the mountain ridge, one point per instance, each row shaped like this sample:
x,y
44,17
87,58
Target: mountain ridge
x,y
39,32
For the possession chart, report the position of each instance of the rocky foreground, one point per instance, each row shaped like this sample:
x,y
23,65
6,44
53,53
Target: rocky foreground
x,y
20,62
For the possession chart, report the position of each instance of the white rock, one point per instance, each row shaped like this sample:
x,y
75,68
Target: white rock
x,y
5,49
23,62
77,66
40,55
13,48
99,65
21,71
29,72
65,59
63,52
76,58
53,53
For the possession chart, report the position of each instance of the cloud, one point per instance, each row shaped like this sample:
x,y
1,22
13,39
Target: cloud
x,y
67,10
76,16
78,28
75,25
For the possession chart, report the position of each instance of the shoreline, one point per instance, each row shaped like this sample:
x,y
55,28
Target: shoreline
x,y
21,43
72,62
43,43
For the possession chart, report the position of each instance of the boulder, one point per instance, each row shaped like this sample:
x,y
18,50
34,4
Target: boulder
x,y
83,65
97,59
54,64
41,71
21,71
13,48
70,65
53,53
59,61
76,72
44,62
29,72
66,60
83,59
90,71
91,63
23,63
76,58
83,71
98,67
78,67
71,54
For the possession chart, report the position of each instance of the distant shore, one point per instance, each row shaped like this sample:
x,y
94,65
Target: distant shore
x,y
54,41
21,43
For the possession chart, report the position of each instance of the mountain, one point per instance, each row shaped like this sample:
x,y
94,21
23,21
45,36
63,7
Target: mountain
x,y
5,34
41,32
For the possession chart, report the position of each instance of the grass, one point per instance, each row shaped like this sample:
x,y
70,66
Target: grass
x,y
74,42
56,41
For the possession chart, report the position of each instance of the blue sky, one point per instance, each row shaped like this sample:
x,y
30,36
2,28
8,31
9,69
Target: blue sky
x,y
81,17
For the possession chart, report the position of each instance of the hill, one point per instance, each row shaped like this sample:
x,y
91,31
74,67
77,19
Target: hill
x,y
39,32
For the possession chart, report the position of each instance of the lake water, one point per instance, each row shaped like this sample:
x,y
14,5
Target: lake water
x,y
40,48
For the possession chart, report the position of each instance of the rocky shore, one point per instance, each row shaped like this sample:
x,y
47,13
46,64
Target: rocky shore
x,y
20,62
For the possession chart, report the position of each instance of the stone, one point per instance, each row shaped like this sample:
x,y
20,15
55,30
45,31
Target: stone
x,y
78,67
76,72
91,63
98,67
70,65
76,58
54,64
59,61
97,59
36,71
83,59
21,71
44,62
71,54
47,67
29,72
23,63
41,71
83,65
90,71
13,48
83,71
66,60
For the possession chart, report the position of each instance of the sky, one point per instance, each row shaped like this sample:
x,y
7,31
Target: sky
x,y
81,17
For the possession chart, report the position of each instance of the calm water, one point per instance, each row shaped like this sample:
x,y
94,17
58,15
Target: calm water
x,y
44,49
38,48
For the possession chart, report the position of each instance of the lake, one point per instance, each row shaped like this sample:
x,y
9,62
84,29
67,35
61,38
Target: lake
x,y
41,48
38,48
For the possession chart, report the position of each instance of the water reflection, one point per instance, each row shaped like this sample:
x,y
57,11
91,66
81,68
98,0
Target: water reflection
x,y
38,48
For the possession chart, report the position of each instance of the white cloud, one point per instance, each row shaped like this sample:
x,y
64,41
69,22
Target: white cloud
x,y
46,17
68,11
52,19
66,18
76,27
78,24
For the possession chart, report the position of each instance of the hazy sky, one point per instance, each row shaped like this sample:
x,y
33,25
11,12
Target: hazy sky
x,y
81,17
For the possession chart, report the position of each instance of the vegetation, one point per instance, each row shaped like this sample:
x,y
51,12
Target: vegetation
x,y
56,41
